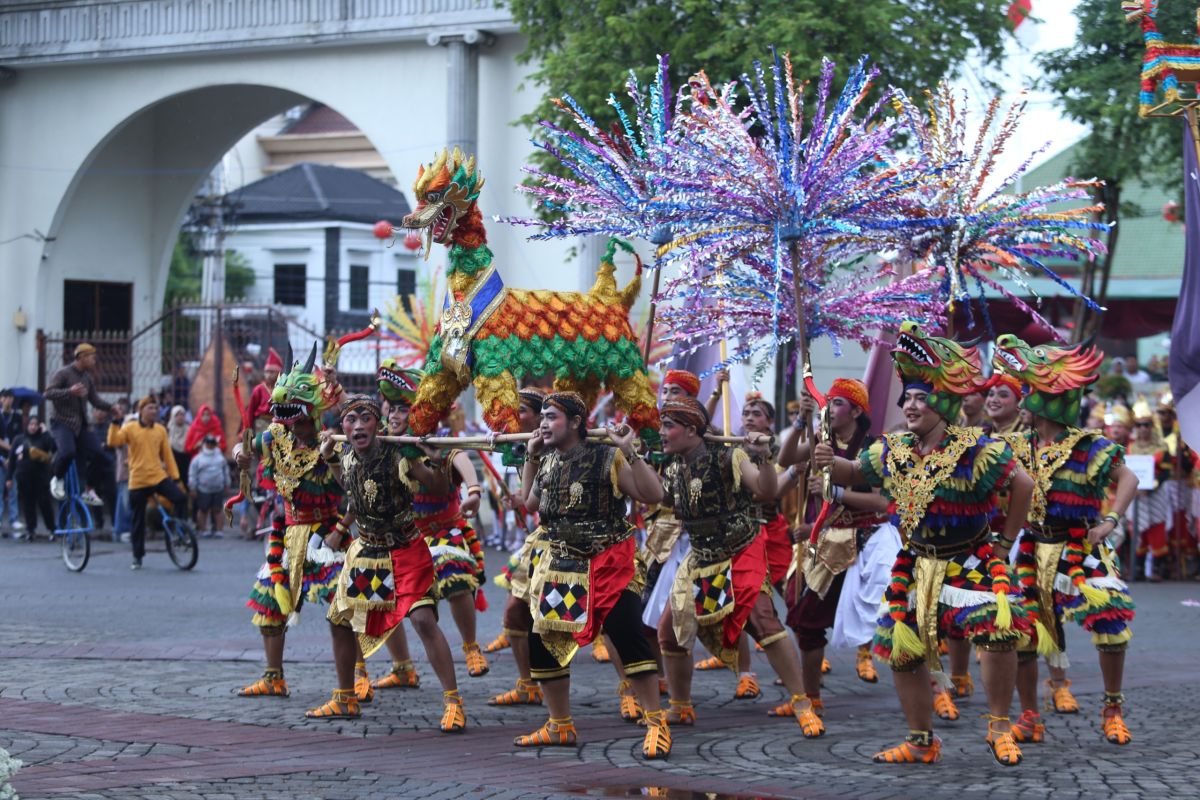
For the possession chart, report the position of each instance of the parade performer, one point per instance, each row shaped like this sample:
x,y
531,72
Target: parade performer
x,y
1153,512
721,587
973,414
941,482
1187,461
1064,567
300,566
457,553
517,619
586,579
1003,404
260,395
388,573
813,604
667,547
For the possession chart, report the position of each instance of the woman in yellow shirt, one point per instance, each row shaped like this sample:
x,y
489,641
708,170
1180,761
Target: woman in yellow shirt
x,y
152,469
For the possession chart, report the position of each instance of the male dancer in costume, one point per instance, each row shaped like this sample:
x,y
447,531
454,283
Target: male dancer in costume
x,y
457,555
1063,565
859,511
517,619
300,566
585,580
941,481
721,587
389,571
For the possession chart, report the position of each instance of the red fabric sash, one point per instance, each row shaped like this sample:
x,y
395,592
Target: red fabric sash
x,y
412,570
609,574
749,569
779,547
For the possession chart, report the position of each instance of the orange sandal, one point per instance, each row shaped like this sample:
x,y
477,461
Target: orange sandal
x,y
709,663
1115,729
747,688
477,665
271,684
682,713
1002,742
806,715
631,709
600,652
454,718
526,693
657,741
1060,696
1029,728
364,690
402,676
343,705
555,733
909,752
826,667
864,666
944,707
782,710
501,642
964,686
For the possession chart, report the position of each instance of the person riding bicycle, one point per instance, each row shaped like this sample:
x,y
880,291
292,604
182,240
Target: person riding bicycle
x,y
69,391
152,469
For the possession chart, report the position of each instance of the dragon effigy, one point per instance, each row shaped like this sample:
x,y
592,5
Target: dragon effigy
x,y
1056,376
1165,64
493,336
954,369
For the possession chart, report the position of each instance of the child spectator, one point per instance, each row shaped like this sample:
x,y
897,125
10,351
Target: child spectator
x,y
208,479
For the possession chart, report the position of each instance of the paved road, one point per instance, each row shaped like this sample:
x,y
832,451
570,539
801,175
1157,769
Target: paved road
x,y
119,684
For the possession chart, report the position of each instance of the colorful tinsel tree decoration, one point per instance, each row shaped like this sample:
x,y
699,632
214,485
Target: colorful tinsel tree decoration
x,y
410,322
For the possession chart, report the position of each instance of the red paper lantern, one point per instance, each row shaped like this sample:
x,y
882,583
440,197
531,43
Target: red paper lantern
x,y
412,240
1170,212
383,229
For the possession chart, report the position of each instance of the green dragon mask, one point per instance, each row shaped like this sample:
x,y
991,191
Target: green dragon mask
x,y
304,392
397,384
949,368
1056,376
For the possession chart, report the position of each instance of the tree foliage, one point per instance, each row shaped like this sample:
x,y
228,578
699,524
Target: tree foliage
x,y
586,48
187,270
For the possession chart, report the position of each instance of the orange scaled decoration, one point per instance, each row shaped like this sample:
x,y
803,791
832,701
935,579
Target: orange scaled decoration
x,y
494,336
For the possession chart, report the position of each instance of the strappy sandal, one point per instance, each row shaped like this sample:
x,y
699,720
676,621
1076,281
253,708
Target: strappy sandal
x,y
271,684
964,686
343,705
709,663
682,713
555,733
477,665
1001,742
657,741
1115,729
810,724
501,642
911,753
1061,698
401,676
747,688
526,693
454,717
363,689
631,709
944,707
782,710
1029,729
865,666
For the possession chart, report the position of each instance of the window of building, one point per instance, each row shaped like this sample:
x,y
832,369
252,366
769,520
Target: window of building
x,y
359,286
291,284
406,287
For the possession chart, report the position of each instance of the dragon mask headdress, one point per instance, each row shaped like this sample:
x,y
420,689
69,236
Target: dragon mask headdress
x,y
1056,376
397,384
446,191
949,370
304,392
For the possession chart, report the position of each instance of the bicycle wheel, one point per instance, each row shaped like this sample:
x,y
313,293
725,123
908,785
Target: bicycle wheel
x,y
180,538
74,521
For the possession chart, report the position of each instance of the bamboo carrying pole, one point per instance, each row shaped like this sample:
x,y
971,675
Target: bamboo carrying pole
x,y
484,442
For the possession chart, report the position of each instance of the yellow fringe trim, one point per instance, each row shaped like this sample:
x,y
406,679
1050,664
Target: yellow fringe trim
x,y
905,642
1003,612
1096,598
1046,646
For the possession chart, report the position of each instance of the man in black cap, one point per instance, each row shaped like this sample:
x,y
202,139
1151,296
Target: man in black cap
x,y
70,390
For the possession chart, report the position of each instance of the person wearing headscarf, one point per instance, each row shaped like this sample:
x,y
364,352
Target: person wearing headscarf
x,y
205,424
177,434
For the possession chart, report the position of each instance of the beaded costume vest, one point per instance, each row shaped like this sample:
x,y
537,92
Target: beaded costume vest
x,y
381,495
715,509
309,489
581,509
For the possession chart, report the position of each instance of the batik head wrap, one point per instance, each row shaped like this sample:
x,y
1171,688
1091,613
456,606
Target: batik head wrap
x,y
359,403
533,397
686,411
571,404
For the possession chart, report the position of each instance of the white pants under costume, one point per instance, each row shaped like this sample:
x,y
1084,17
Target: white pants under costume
x,y
866,579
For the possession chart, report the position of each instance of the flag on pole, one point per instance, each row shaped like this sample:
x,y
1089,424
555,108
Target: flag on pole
x,y
1184,359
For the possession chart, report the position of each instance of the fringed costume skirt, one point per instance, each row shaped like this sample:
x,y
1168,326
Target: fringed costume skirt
x,y
299,567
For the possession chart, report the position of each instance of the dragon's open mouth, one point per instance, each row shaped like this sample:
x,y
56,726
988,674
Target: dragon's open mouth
x,y
395,379
441,223
1011,360
915,349
287,413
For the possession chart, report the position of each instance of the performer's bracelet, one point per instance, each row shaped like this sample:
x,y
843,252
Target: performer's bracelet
x,y
530,458
1112,517
474,491
837,494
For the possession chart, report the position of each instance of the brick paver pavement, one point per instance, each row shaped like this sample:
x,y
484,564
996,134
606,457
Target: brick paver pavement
x,y
119,684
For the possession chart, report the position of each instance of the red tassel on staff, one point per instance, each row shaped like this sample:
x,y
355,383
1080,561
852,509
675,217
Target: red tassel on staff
x,y
481,603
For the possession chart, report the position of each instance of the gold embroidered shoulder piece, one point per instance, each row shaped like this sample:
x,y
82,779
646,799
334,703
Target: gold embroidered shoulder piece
x,y
1050,458
291,463
914,478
